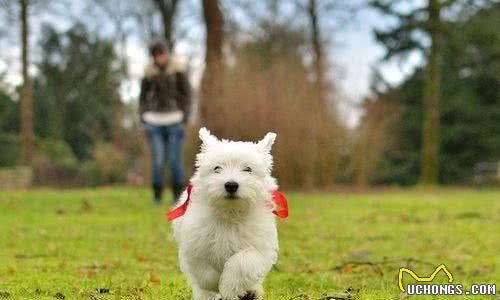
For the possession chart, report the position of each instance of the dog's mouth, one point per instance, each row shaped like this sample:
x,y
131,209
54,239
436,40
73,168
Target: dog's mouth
x,y
232,196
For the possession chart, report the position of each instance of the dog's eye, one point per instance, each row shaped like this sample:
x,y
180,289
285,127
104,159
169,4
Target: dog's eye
x,y
217,169
247,169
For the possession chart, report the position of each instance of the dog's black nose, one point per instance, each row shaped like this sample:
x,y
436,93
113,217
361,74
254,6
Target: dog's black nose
x,y
231,187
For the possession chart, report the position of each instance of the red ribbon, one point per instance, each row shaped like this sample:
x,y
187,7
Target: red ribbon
x,y
181,210
278,198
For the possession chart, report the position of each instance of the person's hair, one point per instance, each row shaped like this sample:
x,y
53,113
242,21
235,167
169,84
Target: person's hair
x,y
158,47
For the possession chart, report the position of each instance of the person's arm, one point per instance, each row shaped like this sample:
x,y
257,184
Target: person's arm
x,y
183,94
142,97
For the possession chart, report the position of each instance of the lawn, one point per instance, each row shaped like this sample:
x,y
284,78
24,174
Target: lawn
x,y
112,243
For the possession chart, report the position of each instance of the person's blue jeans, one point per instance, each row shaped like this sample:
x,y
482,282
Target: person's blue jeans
x,y
166,145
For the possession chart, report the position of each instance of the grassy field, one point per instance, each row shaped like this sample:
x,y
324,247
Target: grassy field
x,y
111,243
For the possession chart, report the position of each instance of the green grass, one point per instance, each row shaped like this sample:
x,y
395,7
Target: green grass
x,y
56,244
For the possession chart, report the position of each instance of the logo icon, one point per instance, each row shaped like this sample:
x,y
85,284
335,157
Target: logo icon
x,y
423,279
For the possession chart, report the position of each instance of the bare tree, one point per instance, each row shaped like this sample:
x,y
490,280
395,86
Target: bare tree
x,y
117,14
167,9
432,93
211,85
399,41
21,11
323,16
26,101
317,46
373,138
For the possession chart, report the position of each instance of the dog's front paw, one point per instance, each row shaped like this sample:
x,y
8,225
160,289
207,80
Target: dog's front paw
x,y
248,296
216,297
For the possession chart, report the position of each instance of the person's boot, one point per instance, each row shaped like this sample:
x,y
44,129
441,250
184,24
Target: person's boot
x,y
157,190
177,190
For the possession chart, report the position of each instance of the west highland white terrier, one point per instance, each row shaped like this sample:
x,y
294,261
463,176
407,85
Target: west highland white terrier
x,y
225,228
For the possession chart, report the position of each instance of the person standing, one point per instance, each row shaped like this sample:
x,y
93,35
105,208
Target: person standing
x,y
164,107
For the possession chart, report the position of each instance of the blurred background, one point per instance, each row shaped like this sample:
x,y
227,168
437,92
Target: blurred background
x,y
361,93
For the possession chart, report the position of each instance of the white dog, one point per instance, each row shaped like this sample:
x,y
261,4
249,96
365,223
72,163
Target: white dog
x,y
227,235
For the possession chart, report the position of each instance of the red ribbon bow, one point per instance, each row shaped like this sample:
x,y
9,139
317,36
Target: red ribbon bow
x,y
278,198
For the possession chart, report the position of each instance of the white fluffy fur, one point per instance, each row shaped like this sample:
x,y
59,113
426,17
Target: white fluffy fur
x,y
227,246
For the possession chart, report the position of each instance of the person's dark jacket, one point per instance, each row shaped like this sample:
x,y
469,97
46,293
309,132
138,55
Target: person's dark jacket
x,y
165,90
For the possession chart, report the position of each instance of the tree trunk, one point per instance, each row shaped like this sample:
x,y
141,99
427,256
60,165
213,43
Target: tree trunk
x,y
432,90
26,104
317,46
167,10
211,85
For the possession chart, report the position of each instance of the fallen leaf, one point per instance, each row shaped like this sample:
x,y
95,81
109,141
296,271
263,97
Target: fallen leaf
x,y
88,272
62,264
11,271
483,270
140,256
347,269
86,206
154,279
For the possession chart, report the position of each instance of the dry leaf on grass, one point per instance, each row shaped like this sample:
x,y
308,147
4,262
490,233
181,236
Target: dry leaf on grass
x,y
140,256
88,272
153,278
11,271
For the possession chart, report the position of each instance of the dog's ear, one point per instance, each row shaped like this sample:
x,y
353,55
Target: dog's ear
x,y
267,142
206,138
